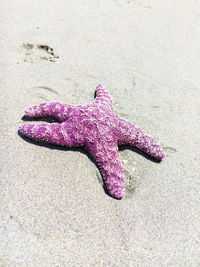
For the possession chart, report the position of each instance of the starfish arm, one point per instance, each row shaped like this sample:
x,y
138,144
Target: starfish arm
x,y
103,96
107,157
136,137
54,133
53,109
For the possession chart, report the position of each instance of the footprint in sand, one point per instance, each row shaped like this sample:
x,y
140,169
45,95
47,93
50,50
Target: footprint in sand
x,y
33,53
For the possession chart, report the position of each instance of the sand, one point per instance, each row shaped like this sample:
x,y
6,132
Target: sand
x,y
53,208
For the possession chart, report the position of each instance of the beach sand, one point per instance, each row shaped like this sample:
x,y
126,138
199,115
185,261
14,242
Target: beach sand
x,y
53,208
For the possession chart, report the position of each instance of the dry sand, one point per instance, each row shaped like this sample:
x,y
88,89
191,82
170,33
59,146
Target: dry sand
x,y
53,209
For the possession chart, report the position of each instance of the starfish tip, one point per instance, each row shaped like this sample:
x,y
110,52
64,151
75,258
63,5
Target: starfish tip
x,y
100,85
118,194
28,112
161,155
21,128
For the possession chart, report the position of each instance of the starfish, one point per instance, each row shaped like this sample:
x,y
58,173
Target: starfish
x,y
95,127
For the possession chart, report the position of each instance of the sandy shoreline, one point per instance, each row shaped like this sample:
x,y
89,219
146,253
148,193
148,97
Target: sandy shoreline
x,y
54,211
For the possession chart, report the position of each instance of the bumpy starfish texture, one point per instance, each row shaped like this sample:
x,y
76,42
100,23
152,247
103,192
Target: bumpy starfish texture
x,y
98,129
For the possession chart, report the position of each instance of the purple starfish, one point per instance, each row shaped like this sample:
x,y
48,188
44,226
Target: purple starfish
x,y
98,129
